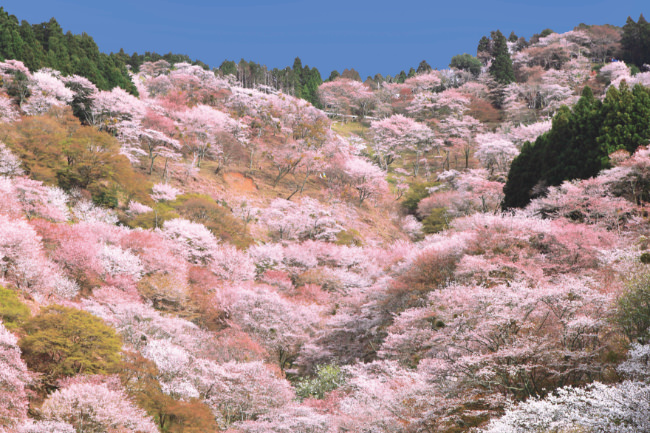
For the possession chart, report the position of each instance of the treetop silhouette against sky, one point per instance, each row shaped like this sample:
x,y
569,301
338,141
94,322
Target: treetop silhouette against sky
x,y
372,37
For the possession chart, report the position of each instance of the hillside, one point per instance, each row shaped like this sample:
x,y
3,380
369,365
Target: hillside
x,y
206,256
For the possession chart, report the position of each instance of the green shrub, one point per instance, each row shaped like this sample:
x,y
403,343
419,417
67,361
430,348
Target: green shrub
x,y
13,313
633,310
62,341
150,220
328,378
349,237
645,258
416,192
436,221
215,217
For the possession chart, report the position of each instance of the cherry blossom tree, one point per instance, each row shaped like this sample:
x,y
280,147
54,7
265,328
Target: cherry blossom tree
x,y
281,326
290,418
164,192
429,81
347,96
396,134
307,220
552,337
83,93
32,426
91,405
449,102
15,79
200,127
115,111
14,377
192,241
366,178
38,200
8,112
602,408
47,90
9,163
156,144
24,264
495,152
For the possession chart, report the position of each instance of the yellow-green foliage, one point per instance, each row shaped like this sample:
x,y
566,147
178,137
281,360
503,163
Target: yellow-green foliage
x,y
350,237
198,208
56,149
172,416
348,128
633,310
13,313
436,221
217,218
150,220
416,192
327,378
62,341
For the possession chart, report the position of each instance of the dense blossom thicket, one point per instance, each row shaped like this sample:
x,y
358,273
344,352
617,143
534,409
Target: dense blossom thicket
x,y
210,256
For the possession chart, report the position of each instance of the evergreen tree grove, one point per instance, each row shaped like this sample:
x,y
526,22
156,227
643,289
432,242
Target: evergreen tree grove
x,y
578,144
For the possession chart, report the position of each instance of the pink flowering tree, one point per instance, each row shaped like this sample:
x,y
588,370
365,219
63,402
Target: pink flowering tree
x,y
242,391
47,90
164,192
200,128
38,200
156,144
116,110
346,96
25,265
366,178
14,377
513,340
429,82
307,220
8,112
15,80
450,102
279,325
495,152
9,163
598,407
83,93
192,241
396,134
95,405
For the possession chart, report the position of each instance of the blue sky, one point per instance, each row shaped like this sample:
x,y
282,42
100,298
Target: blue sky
x,y
371,36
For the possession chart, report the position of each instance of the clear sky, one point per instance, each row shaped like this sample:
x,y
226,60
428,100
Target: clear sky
x,y
371,36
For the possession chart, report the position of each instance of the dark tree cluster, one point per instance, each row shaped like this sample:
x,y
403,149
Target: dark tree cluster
x,y
45,45
636,41
578,144
298,81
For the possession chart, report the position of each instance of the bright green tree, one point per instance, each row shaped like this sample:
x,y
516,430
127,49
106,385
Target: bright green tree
x,y
62,341
13,313
466,62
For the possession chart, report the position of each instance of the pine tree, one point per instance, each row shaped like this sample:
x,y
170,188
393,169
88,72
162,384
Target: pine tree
x,y
501,68
423,67
636,41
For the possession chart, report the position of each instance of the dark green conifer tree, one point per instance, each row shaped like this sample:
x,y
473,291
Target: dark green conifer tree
x,y
501,68
423,67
